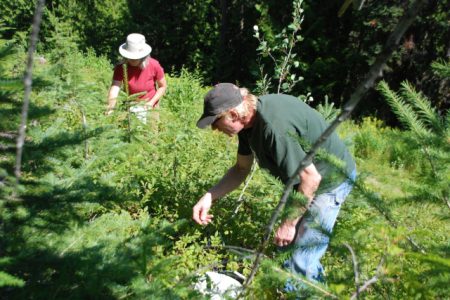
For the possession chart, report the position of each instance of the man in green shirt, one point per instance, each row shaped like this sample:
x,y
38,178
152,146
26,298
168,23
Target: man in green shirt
x,y
277,130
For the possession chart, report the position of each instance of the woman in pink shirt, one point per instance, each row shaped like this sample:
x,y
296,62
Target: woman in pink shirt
x,y
144,74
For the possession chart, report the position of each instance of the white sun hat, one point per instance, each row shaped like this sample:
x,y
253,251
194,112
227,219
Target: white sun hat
x,y
135,47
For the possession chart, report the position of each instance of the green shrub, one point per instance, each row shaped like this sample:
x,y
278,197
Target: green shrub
x,y
370,140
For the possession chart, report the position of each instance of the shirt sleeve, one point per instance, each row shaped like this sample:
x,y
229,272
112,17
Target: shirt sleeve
x,y
118,73
159,71
244,145
287,152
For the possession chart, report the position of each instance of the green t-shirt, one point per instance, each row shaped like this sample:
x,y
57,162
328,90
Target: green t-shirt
x,y
284,129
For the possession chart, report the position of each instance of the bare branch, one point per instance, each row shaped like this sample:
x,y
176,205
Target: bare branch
x,y
355,268
369,282
237,248
28,80
364,287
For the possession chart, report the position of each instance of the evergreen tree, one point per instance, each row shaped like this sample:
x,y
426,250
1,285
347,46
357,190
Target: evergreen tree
x,y
430,134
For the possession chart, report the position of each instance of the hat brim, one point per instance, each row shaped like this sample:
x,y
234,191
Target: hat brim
x,y
205,121
146,50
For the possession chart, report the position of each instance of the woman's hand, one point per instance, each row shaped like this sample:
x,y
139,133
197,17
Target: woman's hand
x,y
201,209
108,111
149,105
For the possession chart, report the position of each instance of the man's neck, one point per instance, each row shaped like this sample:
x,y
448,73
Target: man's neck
x,y
250,119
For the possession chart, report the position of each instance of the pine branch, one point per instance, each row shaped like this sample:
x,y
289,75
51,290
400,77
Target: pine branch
x,y
348,108
404,111
5,51
415,115
308,283
442,68
71,245
11,85
422,105
28,82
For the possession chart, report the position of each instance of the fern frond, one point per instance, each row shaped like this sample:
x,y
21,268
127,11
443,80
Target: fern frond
x,y
403,110
422,105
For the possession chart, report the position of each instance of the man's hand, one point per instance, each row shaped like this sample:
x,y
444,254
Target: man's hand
x,y
200,210
285,234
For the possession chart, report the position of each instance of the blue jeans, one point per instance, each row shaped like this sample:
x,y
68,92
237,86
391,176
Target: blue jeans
x,y
313,232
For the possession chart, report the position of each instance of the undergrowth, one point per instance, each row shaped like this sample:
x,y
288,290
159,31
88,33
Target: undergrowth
x,y
97,216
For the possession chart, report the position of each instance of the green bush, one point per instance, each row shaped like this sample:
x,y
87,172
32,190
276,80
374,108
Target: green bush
x,y
370,140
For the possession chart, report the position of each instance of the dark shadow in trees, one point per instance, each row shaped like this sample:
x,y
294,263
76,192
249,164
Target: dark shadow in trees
x,y
9,123
80,275
89,273
35,154
85,274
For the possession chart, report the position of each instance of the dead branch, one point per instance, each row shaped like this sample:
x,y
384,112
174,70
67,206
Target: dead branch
x,y
369,282
28,80
355,268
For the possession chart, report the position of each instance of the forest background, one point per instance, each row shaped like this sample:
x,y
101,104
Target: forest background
x,y
216,38
104,212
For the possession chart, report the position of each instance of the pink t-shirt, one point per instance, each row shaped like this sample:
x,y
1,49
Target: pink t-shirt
x,y
141,80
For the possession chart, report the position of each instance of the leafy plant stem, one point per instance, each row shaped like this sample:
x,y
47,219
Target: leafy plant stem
x,y
284,69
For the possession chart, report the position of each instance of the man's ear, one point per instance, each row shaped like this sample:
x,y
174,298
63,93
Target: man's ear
x,y
234,115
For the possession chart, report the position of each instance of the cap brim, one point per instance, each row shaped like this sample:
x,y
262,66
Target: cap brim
x,y
205,121
132,55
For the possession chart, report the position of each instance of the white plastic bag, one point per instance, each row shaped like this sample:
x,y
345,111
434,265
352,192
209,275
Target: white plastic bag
x,y
218,286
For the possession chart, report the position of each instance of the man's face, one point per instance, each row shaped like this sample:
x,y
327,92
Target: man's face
x,y
230,125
